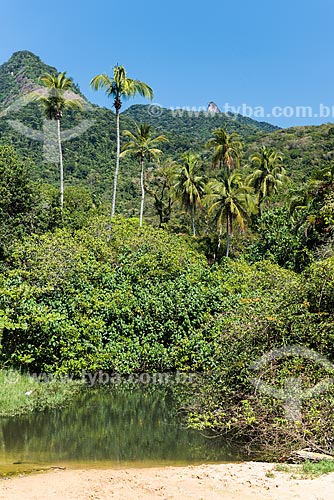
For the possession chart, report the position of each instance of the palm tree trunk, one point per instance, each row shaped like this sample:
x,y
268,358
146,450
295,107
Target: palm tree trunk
x,y
61,168
142,192
192,215
260,200
228,232
219,239
118,150
227,244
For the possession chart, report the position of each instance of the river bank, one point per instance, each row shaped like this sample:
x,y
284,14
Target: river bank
x,y
241,481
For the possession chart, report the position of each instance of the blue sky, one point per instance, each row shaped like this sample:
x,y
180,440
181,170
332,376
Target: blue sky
x,y
257,57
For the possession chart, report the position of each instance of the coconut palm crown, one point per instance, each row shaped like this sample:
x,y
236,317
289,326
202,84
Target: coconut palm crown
x,y
226,149
269,174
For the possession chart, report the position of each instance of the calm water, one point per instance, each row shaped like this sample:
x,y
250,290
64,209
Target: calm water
x,y
123,426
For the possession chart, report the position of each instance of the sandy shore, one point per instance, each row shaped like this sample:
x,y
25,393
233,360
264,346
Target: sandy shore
x,y
245,481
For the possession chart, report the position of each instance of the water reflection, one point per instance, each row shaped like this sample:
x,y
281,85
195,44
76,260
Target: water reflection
x,y
122,425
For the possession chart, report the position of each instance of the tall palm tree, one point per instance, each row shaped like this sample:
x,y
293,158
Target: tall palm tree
x,y
228,199
119,87
54,102
226,149
190,185
141,145
269,174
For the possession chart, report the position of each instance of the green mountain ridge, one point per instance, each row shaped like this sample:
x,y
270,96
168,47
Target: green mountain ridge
x,y
89,157
190,129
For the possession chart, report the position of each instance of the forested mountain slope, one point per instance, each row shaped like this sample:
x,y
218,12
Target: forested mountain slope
x,y
89,156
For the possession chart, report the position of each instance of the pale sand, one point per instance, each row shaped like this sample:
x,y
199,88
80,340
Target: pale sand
x,y
244,481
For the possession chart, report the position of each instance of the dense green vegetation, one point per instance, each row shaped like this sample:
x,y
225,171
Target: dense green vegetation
x,y
123,299
235,258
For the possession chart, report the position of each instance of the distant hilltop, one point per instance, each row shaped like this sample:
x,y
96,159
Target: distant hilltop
x,y
213,108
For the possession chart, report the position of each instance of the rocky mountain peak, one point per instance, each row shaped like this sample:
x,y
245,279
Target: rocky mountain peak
x,y
21,75
213,108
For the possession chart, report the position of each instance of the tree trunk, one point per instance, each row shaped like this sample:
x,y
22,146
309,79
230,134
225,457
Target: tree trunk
x,y
227,244
229,230
118,150
162,208
61,168
192,215
219,239
260,201
142,192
